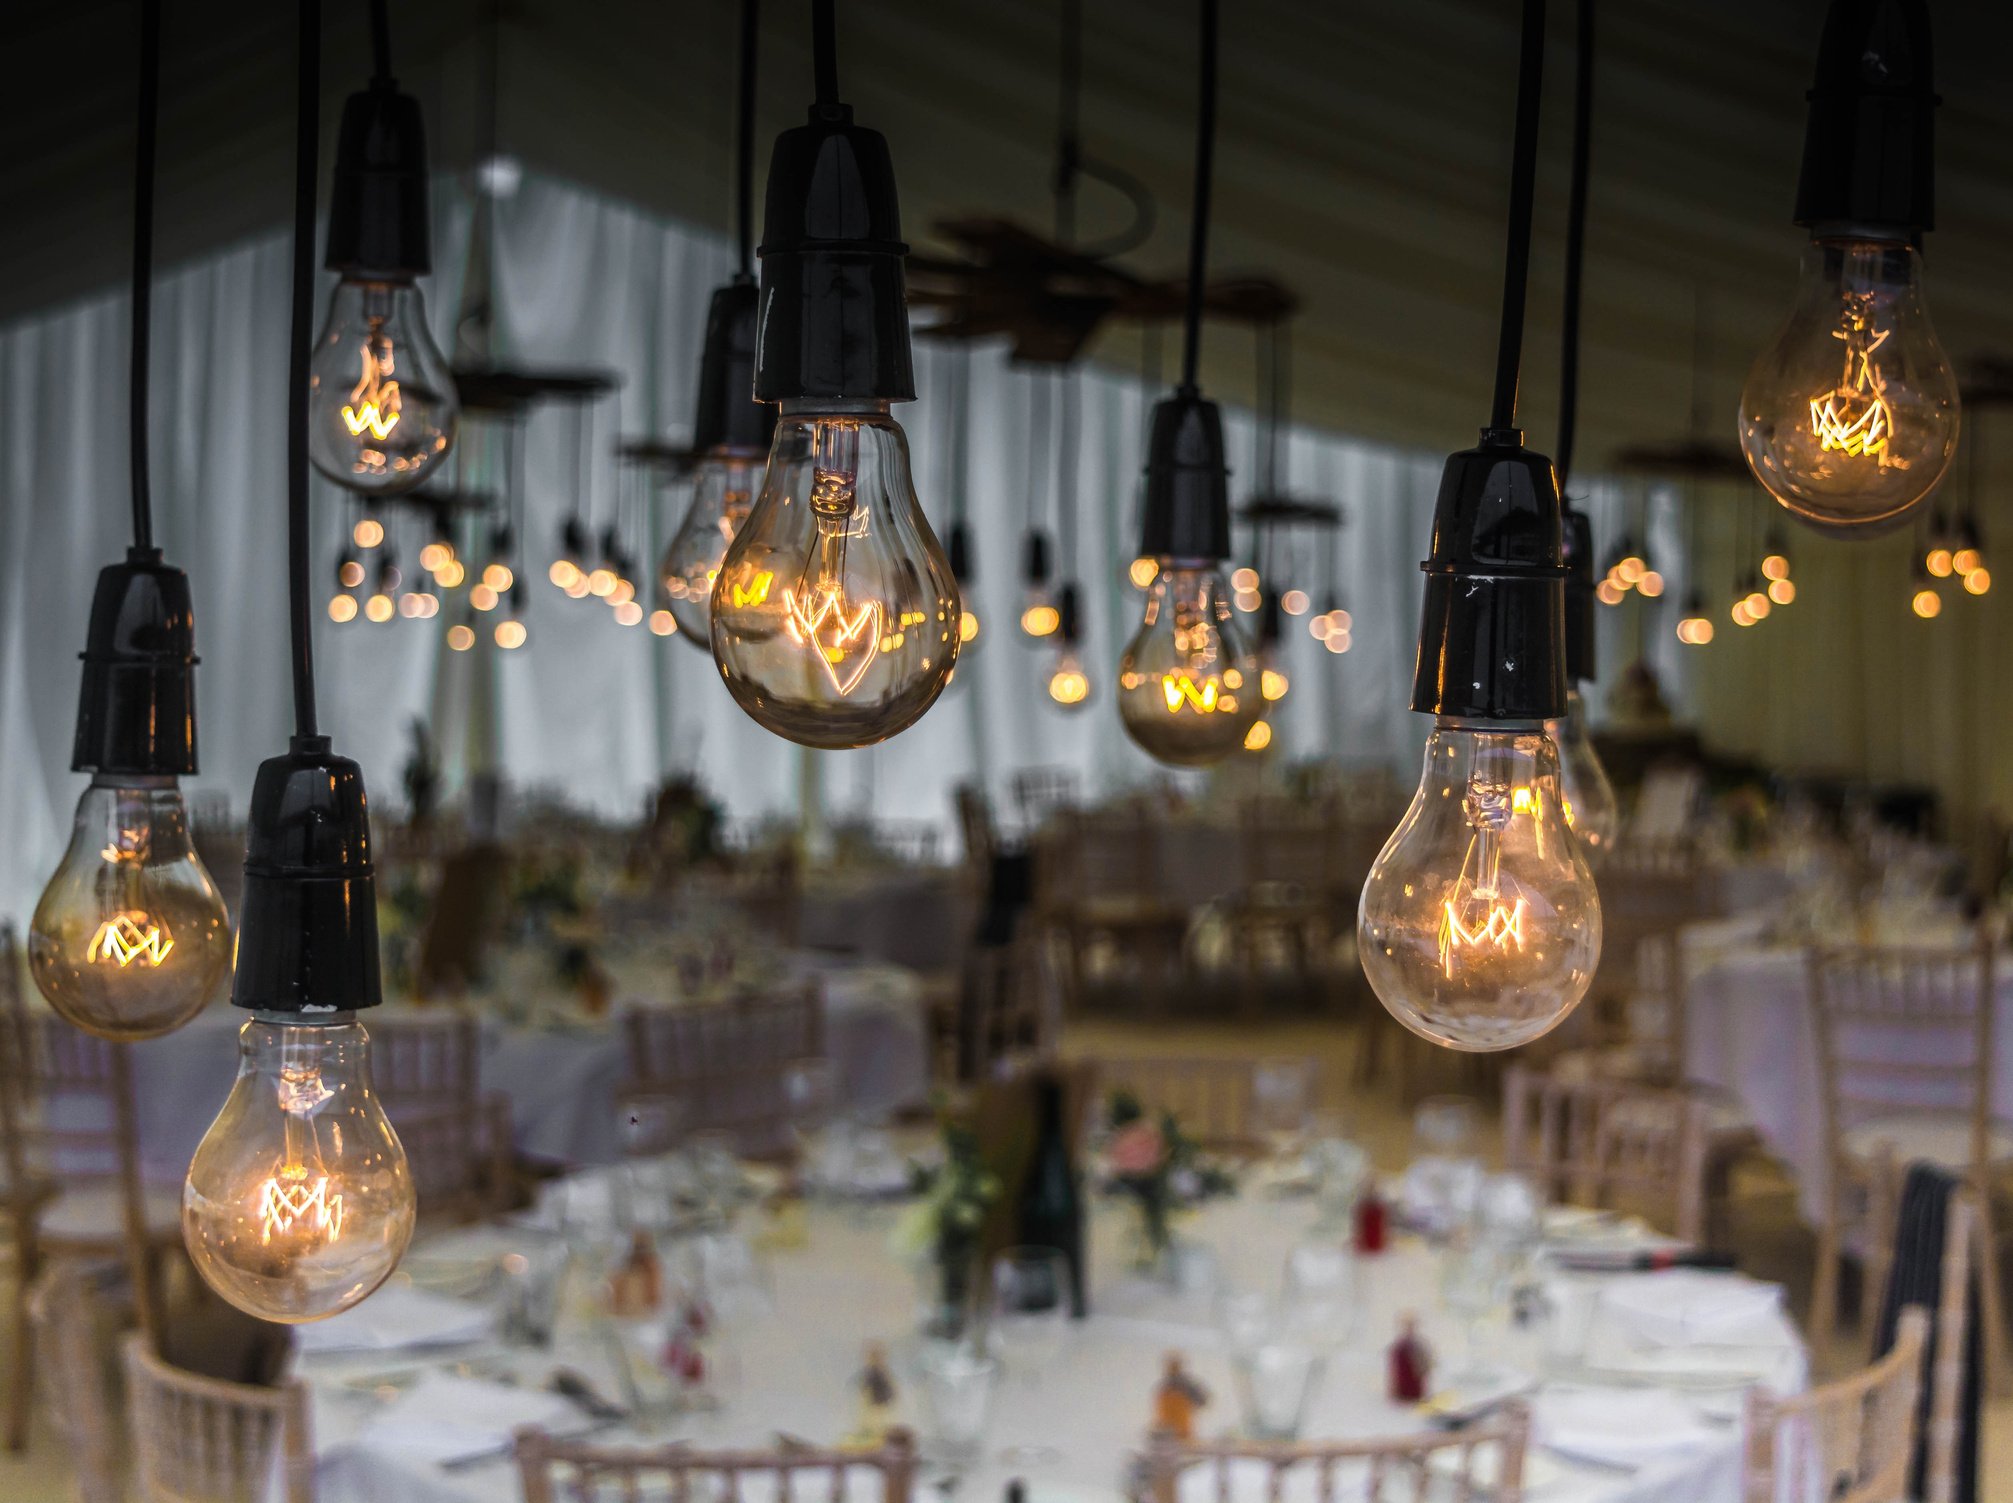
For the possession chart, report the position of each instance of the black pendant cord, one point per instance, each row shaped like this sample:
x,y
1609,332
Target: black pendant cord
x,y
1069,135
307,163
144,153
744,144
380,42
1576,239
1523,188
1198,227
1065,469
825,52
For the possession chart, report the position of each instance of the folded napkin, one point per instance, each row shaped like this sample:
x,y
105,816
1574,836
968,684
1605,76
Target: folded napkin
x,y
443,1419
1623,1427
1682,1306
396,1318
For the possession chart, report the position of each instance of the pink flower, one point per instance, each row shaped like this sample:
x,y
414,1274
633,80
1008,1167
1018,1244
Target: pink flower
x,y
1137,1149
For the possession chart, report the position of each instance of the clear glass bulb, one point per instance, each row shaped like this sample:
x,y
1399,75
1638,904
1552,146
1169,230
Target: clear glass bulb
x,y
1591,807
1068,684
1850,418
1479,925
130,937
299,1201
382,407
1188,682
835,616
723,493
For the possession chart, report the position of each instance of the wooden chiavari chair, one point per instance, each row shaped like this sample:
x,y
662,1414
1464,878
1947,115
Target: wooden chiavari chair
x,y
1227,1105
427,1073
1850,1441
76,1397
69,1152
196,1437
717,1066
1285,905
1598,1143
1481,1461
1946,1370
1905,1053
1098,884
553,1470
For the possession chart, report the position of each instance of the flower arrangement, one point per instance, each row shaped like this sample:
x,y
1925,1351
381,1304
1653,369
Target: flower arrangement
x,y
1160,1168
941,1229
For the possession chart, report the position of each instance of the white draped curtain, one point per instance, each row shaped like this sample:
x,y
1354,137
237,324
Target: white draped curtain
x,y
589,709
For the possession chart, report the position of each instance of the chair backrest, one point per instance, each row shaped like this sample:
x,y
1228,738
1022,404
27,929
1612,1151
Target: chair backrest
x,y
65,1312
202,1438
1290,843
584,1473
1904,1029
427,1073
722,1064
977,826
1602,1142
65,1095
426,1061
1849,1441
1105,856
1222,1104
1483,1461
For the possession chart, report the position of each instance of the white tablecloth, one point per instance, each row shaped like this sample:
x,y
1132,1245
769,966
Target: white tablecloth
x,y
794,1365
561,1080
1748,1031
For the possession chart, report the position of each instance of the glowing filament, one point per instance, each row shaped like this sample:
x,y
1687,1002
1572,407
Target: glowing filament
x,y
845,645
373,401
1855,419
756,592
127,937
293,1199
1180,689
1501,928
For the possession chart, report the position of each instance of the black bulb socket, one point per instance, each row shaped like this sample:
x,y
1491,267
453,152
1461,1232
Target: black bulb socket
x,y
1271,619
573,539
1068,615
307,941
729,417
1578,549
379,219
1869,148
834,309
1035,564
1187,508
136,710
1492,629
959,546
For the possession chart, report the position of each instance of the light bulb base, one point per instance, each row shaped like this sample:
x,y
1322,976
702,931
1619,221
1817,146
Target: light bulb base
x,y
1187,507
1492,629
1578,550
1035,557
729,417
1869,149
307,939
379,220
958,547
834,308
1069,614
136,709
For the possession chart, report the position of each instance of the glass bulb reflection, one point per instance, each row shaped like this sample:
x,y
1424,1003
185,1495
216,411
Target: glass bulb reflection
x,y
130,937
835,617
1590,804
299,1201
1479,925
381,401
723,493
1188,683
1850,418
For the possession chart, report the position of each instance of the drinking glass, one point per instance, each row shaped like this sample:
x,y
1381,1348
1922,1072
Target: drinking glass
x,y
533,1274
1247,1319
958,1384
1321,1297
1342,1169
1446,1126
1471,1286
1030,1324
1281,1104
1274,1381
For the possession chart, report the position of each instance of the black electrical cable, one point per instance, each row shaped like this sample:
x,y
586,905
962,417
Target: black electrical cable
x,y
744,145
380,40
1523,187
825,51
1068,137
1576,239
1067,413
307,163
1198,229
143,266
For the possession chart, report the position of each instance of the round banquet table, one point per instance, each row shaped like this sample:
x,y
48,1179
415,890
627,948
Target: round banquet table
x,y
1748,1031
560,1077
794,1352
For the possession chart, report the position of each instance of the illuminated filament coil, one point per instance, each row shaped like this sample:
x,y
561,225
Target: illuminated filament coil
x,y
1179,689
373,401
127,937
1500,929
293,1202
845,645
1855,419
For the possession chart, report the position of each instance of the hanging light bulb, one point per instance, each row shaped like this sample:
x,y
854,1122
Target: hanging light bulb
x,y
723,492
1651,585
566,572
1590,807
1978,581
461,637
349,571
1782,591
663,623
299,1200
1069,685
1927,603
1695,630
342,608
1141,571
368,532
960,553
1258,737
1970,551
1039,616
1850,417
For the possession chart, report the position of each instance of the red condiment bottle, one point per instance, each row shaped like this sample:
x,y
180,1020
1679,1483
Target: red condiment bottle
x,y
1411,1364
1370,1218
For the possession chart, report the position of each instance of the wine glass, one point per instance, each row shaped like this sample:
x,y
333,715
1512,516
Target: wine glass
x,y
1471,1286
1030,1323
1321,1295
1281,1105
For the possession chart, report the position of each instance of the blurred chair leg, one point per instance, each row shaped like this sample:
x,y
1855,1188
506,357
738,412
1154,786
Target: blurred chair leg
x,y
1991,1301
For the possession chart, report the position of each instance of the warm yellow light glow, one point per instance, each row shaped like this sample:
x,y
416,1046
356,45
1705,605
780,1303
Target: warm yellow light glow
x,y
1782,591
1927,604
1272,684
451,574
482,597
297,1205
1258,737
663,623
1775,566
1939,562
127,937
1338,641
1757,605
601,582
1978,581
1742,616
1247,601
1651,584
968,627
379,608
628,613
498,577
1854,418
1499,927
510,634
373,401
1241,580
1204,699
577,590
844,642
1964,560
434,557
342,608
624,592
460,638
1608,592
563,572
1695,631
1295,602
367,533
1630,569
350,574
753,591
1068,685
1040,620
1142,572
